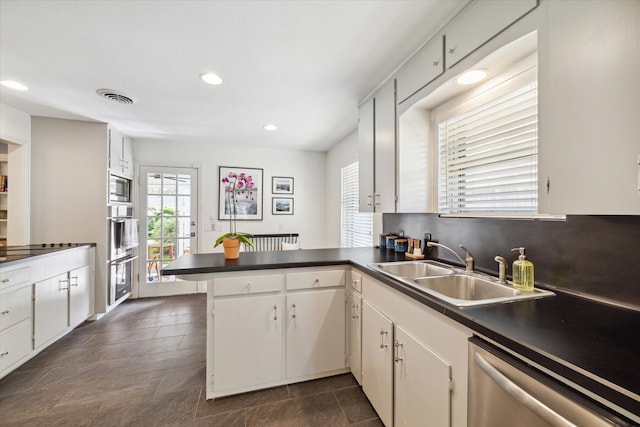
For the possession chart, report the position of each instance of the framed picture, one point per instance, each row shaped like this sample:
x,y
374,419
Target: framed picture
x,y
248,201
281,185
282,205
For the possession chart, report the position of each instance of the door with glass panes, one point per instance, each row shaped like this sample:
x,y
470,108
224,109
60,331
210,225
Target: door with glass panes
x,y
168,213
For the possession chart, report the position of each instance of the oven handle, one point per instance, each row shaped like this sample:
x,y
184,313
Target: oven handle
x,y
539,408
123,260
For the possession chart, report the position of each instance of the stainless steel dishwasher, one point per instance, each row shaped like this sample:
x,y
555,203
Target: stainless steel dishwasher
x,y
504,391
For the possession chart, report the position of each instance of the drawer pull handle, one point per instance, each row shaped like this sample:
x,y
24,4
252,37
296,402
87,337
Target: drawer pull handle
x,y
382,344
5,353
5,312
293,309
435,63
451,50
316,281
76,281
275,311
248,287
6,280
398,359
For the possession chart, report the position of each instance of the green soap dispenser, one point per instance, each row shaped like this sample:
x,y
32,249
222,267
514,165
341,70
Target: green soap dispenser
x,y
522,272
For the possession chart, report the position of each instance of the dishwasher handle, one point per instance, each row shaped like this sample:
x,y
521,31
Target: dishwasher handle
x,y
539,408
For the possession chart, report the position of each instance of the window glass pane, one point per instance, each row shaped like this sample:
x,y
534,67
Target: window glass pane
x,y
169,205
356,227
184,184
154,184
153,205
184,205
184,227
169,183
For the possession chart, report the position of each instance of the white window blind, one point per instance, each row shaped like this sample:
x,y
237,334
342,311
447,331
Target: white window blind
x,y
488,156
356,228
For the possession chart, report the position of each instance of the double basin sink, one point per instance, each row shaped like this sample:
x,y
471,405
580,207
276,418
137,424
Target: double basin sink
x,y
454,285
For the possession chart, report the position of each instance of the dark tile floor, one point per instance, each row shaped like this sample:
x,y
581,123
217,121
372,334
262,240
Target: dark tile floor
x,y
143,364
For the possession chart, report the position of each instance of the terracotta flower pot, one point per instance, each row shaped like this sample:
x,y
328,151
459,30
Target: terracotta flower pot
x,y
231,248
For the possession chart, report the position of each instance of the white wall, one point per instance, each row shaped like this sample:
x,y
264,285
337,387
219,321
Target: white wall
x,y
341,154
307,168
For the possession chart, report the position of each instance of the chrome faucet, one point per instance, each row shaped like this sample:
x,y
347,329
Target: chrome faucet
x,y
467,261
502,269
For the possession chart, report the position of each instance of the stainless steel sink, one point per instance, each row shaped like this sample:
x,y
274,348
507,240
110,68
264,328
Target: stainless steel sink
x,y
454,285
413,269
468,290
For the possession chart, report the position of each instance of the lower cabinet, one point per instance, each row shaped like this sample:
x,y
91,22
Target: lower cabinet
x,y
355,336
51,309
80,296
377,361
315,332
248,341
408,357
274,328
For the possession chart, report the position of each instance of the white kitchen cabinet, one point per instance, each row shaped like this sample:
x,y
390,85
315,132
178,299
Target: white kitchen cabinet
x,y
412,357
377,361
355,336
248,341
80,295
315,332
15,344
478,22
422,382
120,153
273,327
377,151
421,69
51,309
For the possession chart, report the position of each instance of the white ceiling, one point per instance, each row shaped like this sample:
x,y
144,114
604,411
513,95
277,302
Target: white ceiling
x,y
302,65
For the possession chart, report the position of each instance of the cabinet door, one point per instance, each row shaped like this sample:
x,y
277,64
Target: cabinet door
x,y
479,22
247,347
51,308
115,151
384,181
365,155
355,334
425,66
421,382
127,157
377,361
79,295
316,332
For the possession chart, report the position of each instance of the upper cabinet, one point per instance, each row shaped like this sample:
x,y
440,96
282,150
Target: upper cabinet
x,y
421,69
120,153
479,22
377,151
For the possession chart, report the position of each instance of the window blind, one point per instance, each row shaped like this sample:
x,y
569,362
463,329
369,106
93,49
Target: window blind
x,y
356,228
488,156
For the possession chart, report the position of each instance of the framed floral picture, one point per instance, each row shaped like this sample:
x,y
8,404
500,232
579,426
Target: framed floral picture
x,y
282,185
282,205
248,201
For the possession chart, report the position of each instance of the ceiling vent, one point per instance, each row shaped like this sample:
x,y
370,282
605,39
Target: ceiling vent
x,y
115,96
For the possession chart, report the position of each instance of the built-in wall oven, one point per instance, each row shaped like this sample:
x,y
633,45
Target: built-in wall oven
x,y
123,240
505,391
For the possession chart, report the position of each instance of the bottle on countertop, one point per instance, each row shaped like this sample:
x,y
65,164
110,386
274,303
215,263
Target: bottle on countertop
x,y
522,272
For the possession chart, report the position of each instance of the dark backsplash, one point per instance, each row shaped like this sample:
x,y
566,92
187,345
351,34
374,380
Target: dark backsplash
x,y
598,256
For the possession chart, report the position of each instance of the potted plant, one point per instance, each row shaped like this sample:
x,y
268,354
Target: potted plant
x,y
234,186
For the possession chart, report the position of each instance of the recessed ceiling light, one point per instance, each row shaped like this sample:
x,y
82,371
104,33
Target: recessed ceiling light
x,y
212,79
14,85
471,76
270,127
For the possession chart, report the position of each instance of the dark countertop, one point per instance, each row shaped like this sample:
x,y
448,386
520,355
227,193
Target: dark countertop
x,y
592,344
14,254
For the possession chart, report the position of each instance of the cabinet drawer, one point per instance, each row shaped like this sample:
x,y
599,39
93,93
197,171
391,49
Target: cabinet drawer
x,y
247,285
15,343
14,277
15,306
315,279
356,281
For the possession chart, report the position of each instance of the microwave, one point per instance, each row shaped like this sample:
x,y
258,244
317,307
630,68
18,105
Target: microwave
x,y
119,189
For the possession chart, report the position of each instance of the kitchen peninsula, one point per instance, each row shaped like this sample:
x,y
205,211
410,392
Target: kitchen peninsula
x,y
557,335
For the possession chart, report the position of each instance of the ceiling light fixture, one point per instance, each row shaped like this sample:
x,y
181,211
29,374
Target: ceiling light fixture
x,y
471,76
270,127
14,85
210,78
